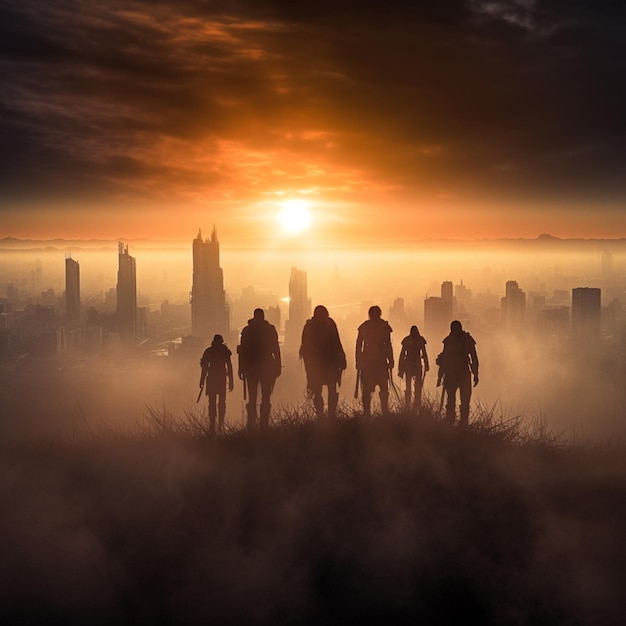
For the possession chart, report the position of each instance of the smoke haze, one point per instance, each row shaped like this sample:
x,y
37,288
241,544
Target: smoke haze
x,y
530,370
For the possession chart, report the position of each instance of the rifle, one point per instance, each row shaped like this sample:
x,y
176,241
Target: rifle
x,y
245,387
356,386
200,394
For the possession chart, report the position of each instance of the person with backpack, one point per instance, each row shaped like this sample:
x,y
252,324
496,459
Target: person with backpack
x,y
259,365
374,359
216,368
324,359
458,362
412,355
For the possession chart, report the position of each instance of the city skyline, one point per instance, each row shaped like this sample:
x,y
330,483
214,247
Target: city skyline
x,y
207,278
462,119
547,337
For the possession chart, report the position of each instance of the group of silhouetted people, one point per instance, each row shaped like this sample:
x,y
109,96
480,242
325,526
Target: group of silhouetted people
x,y
325,361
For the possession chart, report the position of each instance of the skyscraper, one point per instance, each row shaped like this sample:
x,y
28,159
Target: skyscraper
x,y
513,306
126,295
72,290
210,314
299,308
438,312
586,313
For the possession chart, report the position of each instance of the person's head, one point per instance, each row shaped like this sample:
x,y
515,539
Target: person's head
x,y
456,327
259,315
374,312
414,331
217,340
320,312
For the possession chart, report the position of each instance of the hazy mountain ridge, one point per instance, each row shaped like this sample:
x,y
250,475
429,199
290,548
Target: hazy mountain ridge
x,y
544,240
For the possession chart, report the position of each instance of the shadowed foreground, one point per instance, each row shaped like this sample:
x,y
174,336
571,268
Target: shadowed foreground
x,y
388,522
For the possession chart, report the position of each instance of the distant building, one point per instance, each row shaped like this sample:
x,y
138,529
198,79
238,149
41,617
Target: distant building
x,y
126,295
447,290
12,295
462,293
272,315
210,315
439,311
250,299
72,290
299,309
560,297
554,320
537,304
513,306
398,318
586,313
607,264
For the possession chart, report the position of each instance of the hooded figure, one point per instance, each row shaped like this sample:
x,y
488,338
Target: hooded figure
x,y
412,354
259,364
457,363
216,367
324,359
374,359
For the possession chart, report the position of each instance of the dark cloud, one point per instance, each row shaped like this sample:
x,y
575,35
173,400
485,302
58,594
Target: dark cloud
x,y
511,96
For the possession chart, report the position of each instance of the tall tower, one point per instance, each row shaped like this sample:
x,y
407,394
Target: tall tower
x,y
439,311
586,313
210,314
72,290
513,305
126,295
299,308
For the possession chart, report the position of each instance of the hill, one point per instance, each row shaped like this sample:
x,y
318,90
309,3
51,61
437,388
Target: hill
x,y
393,521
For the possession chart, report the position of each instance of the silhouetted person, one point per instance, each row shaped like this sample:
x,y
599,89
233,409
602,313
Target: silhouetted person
x,y
217,367
457,363
412,354
374,359
259,364
324,359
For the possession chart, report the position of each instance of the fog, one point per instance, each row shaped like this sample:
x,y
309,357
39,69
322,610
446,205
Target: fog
x,y
389,521
541,373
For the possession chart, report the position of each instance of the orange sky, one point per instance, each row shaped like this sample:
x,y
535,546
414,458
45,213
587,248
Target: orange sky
x,y
447,120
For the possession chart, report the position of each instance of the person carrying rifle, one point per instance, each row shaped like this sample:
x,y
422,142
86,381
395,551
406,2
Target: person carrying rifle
x,y
374,359
412,354
259,365
457,364
217,368
324,359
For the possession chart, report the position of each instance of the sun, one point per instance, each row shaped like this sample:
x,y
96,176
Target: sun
x,y
295,216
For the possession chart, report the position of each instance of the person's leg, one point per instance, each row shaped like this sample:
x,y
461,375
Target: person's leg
x,y
451,388
253,387
407,391
383,383
465,390
318,402
367,389
333,399
267,385
221,406
418,394
212,410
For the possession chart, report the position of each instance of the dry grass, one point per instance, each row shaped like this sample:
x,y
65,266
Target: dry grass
x,y
392,520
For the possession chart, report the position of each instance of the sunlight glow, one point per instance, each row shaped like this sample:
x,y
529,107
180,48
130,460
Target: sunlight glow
x,y
295,216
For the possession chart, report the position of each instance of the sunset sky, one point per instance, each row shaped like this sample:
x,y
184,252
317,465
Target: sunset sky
x,y
390,121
